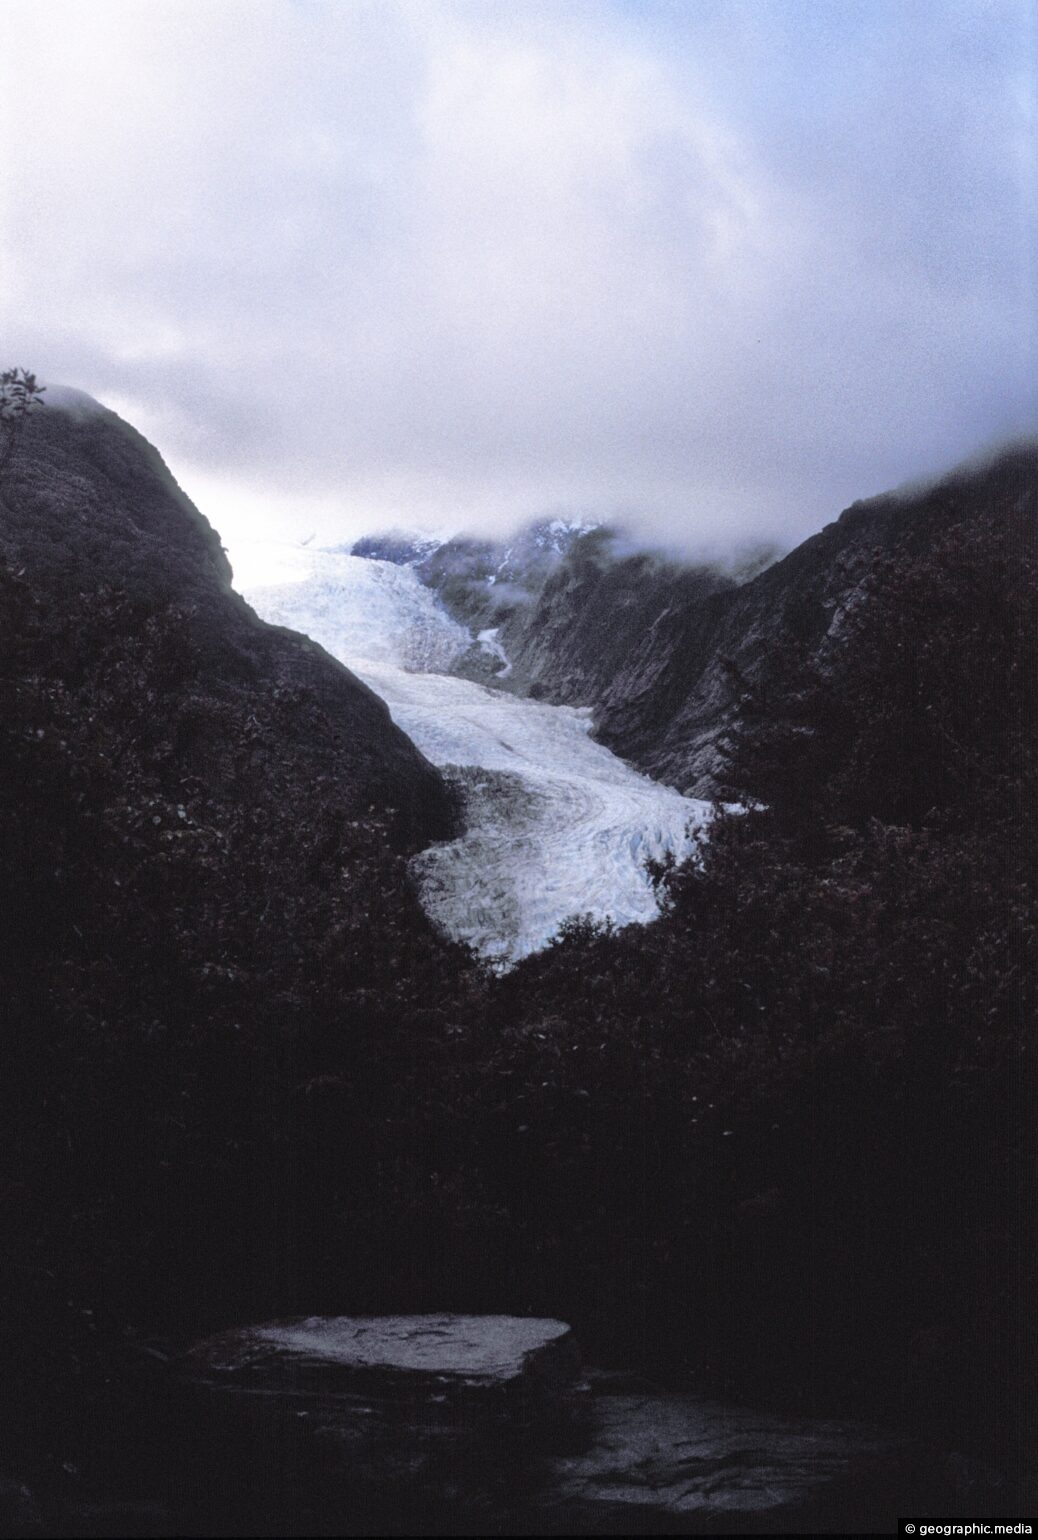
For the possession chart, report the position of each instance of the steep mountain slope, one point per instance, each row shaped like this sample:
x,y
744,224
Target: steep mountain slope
x,y
205,822
665,654
91,515
676,698
493,586
575,642
402,547
204,818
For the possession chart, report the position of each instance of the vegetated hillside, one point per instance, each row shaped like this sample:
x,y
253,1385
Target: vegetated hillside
x,y
91,514
204,823
792,1125
783,1138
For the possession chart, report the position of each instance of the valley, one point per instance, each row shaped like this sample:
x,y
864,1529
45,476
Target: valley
x,y
555,825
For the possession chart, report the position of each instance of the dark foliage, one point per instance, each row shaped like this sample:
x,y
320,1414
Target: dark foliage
x,y
790,1125
781,1137
20,394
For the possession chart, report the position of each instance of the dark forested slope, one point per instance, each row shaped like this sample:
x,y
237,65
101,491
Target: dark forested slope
x,y
782,1139
92,521
204,823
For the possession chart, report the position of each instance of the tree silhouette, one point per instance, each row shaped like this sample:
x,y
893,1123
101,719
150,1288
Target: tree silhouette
x,y
19,394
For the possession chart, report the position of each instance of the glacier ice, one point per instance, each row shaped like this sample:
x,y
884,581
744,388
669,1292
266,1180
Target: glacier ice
x,y
365,613
556,825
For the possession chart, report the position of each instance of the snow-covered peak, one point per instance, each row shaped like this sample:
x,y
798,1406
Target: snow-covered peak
x,y
559,534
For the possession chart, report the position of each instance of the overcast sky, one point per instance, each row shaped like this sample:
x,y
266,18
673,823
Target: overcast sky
x,y
719,266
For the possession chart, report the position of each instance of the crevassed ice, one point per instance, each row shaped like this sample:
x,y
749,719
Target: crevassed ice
x,y
364,612
557,825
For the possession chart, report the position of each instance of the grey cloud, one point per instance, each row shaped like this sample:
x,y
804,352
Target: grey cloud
x,y
716,270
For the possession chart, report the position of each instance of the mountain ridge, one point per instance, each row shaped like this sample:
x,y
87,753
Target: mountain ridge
x,y
663,650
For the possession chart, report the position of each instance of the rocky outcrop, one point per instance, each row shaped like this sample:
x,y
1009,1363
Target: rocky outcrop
x,y
400,546
656,1459
418,1356
493,585
379,1424
574,644
460,571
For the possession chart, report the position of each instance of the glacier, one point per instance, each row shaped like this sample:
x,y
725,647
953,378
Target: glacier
x,y
556,826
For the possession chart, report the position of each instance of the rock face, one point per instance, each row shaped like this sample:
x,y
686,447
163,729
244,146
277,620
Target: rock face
x,y
493,585
674,701
400,546
574,645
649,644
670,701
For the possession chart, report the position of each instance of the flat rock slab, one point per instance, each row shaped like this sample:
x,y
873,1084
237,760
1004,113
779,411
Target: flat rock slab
x,y
377,1424
387,1354
400,1424
679,1456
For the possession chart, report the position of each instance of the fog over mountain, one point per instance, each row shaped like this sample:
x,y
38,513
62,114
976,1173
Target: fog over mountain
x,y
710,271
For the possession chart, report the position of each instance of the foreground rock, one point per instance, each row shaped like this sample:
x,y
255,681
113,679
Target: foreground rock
x,y
659,1462
449,1424
391,1355
368,1425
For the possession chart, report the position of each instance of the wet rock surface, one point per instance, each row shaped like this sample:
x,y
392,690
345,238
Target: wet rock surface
x,y
664,1456
461,1424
